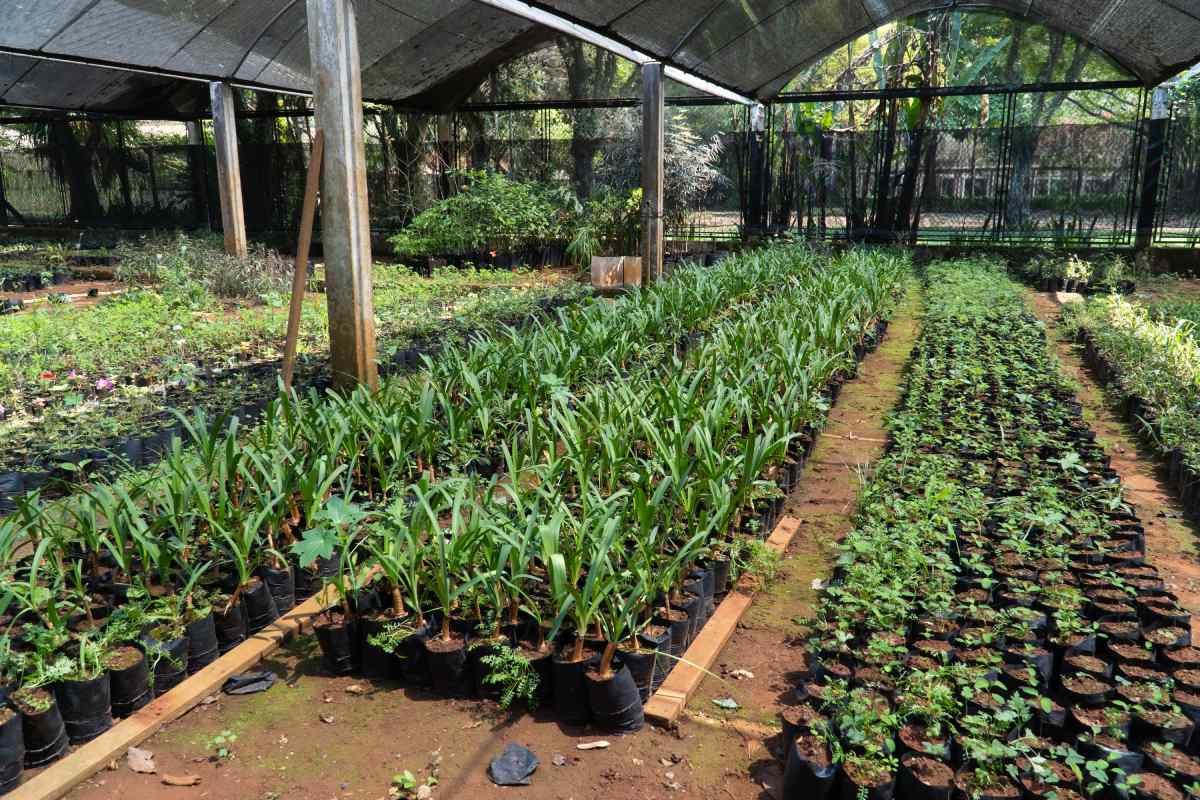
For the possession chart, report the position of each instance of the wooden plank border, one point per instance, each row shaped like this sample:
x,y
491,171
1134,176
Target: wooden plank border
x,y
669,701
86,760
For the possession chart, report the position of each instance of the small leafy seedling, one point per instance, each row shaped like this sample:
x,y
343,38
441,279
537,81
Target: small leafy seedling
x,y
221,745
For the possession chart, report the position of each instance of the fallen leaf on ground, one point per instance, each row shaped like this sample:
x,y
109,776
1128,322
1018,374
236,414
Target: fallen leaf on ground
x,y
327,719
739,674
559,760
600,745
140,760
356,688
208,701
181,780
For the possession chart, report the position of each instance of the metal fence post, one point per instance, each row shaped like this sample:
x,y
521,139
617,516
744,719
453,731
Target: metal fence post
x,y
1156,134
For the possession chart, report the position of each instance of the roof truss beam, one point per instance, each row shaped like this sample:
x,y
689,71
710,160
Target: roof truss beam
x,y
592,36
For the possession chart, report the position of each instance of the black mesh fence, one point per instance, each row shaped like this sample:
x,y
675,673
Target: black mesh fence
x,y
870,175
1005,181
1178,220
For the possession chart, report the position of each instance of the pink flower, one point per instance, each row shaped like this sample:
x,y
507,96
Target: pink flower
x,y
71,375
104,385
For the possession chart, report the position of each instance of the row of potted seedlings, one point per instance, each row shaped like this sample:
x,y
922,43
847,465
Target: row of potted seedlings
x,y
146,448
132,584
1154,367
1066,272
587,593
31,278
992,628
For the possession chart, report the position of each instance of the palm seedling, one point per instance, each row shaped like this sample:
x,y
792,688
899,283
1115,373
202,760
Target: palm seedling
x,y
245,545
451,548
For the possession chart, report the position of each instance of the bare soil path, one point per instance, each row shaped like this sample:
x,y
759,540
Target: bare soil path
x,y
308,737
1171,540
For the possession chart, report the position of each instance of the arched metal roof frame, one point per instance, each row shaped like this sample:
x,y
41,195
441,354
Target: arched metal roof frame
x,y
785,76
429,54
1087,20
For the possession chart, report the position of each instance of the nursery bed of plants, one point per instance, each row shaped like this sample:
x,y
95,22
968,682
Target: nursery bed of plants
x,y
1173,311
543,516
1150,359
1065,272
992,628
99,384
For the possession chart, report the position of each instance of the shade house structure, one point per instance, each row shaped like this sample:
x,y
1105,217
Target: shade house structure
x,y
151,58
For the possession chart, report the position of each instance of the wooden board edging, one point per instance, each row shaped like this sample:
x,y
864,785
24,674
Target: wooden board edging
x,y
669,701
86,760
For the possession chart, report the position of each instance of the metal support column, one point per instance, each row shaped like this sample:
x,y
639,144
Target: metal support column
x,y
1156,135
198,167
756,151
653,175
229,171
345,228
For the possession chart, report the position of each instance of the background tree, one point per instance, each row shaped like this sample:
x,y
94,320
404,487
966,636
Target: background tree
x,y
591,73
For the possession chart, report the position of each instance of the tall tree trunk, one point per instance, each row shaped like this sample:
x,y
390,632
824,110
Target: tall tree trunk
x,y
929,188
912,164
1019,211
591,74
73,164
408,148
1026,135
881,224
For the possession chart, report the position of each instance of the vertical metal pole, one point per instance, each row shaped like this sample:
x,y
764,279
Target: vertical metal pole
x,y
198,165
123,170
1156,134
757,152
446,155
3,197
153,178
345,225
653,175
229,170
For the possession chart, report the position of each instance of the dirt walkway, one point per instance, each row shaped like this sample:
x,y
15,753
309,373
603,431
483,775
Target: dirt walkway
x,y
308,737
1171,540
731,745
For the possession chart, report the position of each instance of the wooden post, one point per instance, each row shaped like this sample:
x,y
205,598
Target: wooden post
x,y
652,171
229,170
345,228
300,276
1156,137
